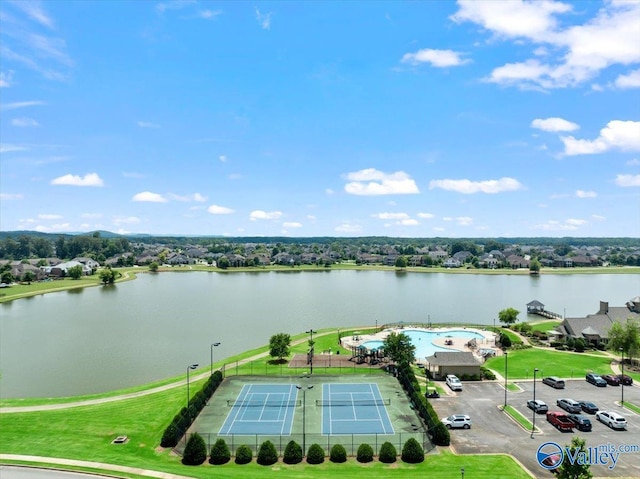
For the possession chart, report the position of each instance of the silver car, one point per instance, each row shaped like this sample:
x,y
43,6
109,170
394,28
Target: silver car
x,y
457,421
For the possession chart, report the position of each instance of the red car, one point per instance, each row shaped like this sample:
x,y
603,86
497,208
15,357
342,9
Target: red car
x,y
626,380
611,379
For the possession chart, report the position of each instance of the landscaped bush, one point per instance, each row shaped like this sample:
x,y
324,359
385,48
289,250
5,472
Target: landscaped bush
x,y
220,453
388,453
412,451
365,453
338,453
440,435
195,452
505,341
244,454
487,373
315,455
267,454
170,436
292,453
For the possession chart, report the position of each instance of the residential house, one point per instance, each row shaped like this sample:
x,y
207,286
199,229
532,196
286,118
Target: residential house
x,y
459,363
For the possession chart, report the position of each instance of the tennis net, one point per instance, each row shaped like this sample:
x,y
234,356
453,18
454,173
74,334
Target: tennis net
x,y
356,402
263,404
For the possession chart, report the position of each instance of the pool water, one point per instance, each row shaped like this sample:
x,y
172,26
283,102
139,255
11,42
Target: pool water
x,y
423,340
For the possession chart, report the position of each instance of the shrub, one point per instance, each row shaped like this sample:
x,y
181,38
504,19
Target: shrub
x,y
387,453
412,451
292,453
244,454
267,454
170,436
505,340
315,455
487,373
195,452
220,453
440,435
338,453
365,453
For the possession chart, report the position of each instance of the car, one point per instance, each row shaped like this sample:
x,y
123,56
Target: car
x,y
457,421
625,380
453,382
569,405
596,380
583,423
588,407
612,419
611,379
537,406
554,382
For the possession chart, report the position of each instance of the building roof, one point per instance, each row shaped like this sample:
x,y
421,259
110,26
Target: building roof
x,y
452,358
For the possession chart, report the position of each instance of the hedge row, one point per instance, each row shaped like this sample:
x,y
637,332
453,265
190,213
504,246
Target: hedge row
x,y
195,453
438,432
181,422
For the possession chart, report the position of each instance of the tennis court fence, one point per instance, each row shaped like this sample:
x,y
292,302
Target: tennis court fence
x,y
264,368
351,442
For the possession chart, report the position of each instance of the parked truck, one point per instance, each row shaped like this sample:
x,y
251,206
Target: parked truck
x,y
560,421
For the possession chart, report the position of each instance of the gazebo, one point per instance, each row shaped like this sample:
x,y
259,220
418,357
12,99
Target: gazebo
x,y
535,307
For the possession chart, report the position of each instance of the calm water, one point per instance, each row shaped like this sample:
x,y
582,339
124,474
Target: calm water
x,y
105,338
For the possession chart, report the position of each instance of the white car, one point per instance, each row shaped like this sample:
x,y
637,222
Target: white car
x,y
612,419
457,421
453,382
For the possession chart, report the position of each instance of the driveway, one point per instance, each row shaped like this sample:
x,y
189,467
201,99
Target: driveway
x,y
494,432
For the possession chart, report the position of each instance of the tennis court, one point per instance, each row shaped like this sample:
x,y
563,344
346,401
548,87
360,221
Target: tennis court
x,y
354,409
262,409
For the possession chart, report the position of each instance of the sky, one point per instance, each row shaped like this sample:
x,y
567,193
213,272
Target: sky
x,y
403,119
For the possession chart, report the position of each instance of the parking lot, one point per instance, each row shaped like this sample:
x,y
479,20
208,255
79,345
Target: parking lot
x,y
494,432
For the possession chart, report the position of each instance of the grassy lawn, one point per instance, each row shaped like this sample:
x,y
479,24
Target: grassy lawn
x,y
519,418
544,326
631,407
549,363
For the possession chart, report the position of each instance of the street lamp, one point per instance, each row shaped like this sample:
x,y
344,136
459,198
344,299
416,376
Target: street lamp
x,y
533,428
311,331
622,377
193,366
462,473
212,346
506,375
304,390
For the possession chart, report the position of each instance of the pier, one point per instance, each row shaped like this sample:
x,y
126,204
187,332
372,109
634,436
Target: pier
x,y
536,307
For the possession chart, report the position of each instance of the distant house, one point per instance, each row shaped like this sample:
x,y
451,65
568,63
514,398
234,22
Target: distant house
x,y
516,261
594,328
459,363
451,263
62,269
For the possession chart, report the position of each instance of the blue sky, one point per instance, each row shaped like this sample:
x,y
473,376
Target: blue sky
x,y
411,119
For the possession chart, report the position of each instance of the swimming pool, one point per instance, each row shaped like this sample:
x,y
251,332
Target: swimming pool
x,y
423,340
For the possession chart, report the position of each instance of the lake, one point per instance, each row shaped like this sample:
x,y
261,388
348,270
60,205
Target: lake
x,y
99,339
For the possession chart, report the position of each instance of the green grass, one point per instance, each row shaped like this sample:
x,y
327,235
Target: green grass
x,y
631,407
549,363
544,326
518,417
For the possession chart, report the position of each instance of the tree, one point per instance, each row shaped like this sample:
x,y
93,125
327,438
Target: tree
x,y
267,454
315,454
399,348
107,276
220,453
338,454
401,262
625,336
279,345
223,262
534,266
412,451
388,453
153,267
567,470
28,276
508,316
365,453
292,453
195,452
75,272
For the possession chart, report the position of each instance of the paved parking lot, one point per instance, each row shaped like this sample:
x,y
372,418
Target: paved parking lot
x,y
494,432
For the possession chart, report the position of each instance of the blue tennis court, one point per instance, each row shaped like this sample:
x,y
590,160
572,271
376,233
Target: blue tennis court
x,y
262,409
354,409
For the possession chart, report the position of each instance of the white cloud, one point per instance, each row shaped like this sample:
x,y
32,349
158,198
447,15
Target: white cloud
x,y
408,222
627,180
24,122
6,79
634,162
426,216
329,191
20,104
49,217
173,5
464,220
391,216
220,210
585,194
632,80
618,134
125,220
197,197
91,215
469,187
554,124
34,11
53,228
348,228
437,58
223,158
371,182
11,196
209,14
90,179
566,225
149,197
264,19
264,215
7,147
292,224
598,217
147,124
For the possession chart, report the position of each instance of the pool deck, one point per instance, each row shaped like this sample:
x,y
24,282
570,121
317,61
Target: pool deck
x,y
453,343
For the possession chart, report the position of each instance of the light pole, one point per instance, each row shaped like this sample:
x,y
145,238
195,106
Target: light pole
x,y
462,473
622,377
212,346
193,366
506,375
533,427
311,331
304,390
329,357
